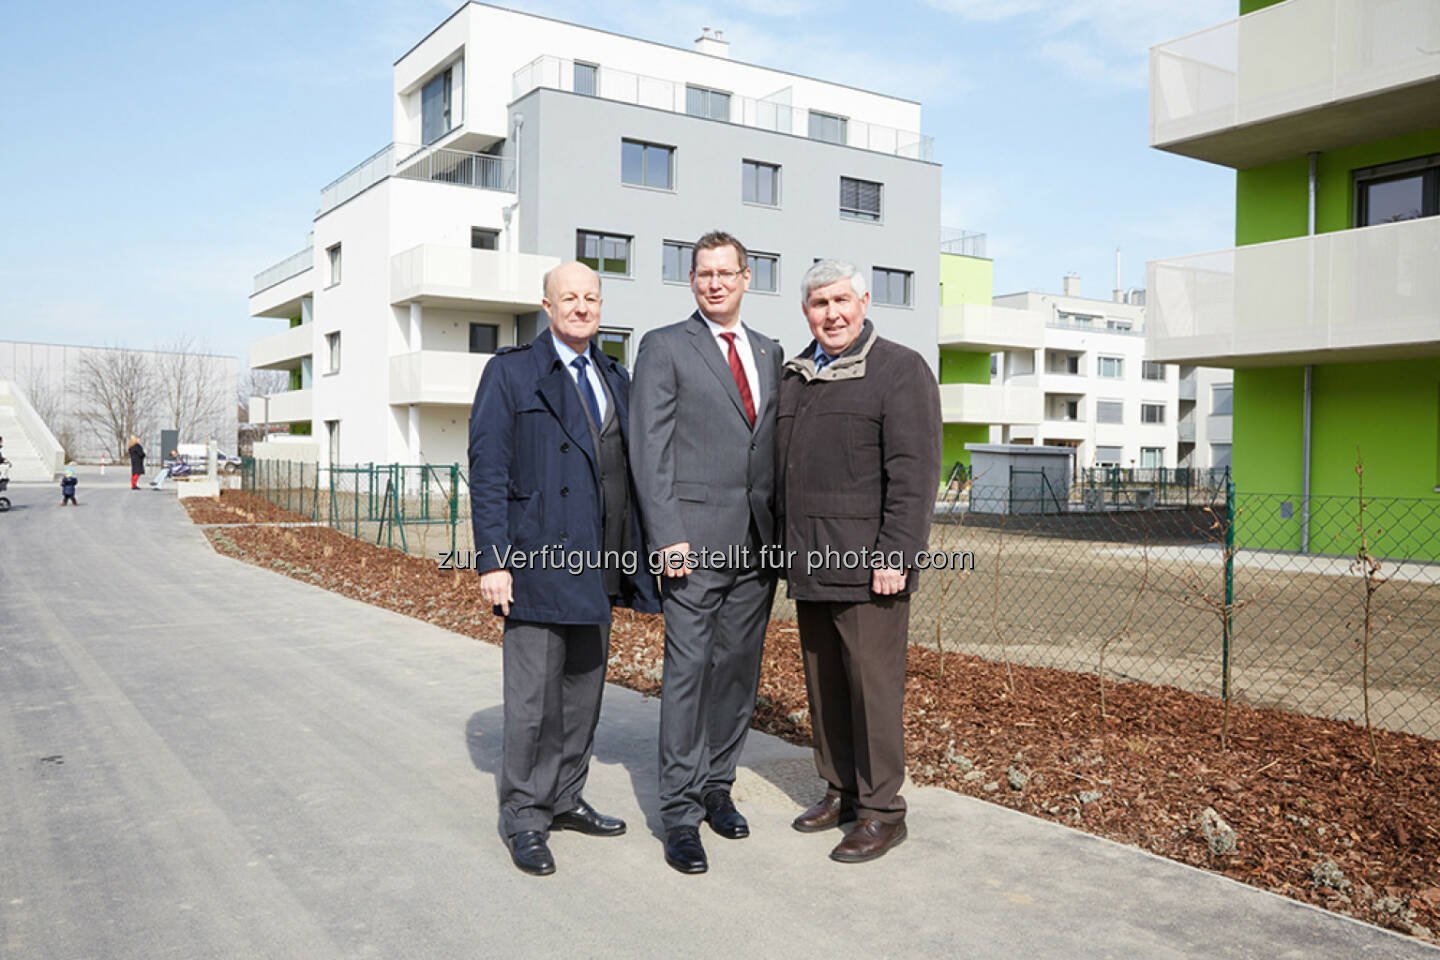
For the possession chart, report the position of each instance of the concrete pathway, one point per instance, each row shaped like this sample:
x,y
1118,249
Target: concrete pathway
x,y
199,758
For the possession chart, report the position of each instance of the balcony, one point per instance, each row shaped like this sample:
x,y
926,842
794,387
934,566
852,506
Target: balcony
x,y
278,290
435,376
1367,294
461,277
1295,77
983,327
1185,431
990,403
480,171
283,350
556,73
288,406
1187,388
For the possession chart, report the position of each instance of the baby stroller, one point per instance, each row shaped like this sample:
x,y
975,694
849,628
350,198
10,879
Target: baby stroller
x,y
4,484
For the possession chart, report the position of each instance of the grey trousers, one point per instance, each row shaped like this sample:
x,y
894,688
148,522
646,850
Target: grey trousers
x,y
714,635
855,676
554,676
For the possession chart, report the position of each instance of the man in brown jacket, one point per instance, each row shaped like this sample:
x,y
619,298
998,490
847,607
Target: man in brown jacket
x,y
858,446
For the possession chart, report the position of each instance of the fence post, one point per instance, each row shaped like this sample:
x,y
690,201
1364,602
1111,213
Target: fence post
x,y
1229,586
454,503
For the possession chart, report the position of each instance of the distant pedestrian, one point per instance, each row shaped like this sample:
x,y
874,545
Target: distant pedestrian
x,y
137,462
67,487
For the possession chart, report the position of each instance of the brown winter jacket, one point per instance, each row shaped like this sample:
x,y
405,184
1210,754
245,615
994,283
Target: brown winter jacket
x,y
858,465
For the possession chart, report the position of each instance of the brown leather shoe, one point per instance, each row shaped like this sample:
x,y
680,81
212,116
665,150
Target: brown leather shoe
x,y
830,811
869,839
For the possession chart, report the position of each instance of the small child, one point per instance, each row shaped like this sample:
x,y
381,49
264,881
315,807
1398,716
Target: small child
x,y
67,487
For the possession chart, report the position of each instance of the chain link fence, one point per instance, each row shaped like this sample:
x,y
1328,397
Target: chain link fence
x,y
1204,589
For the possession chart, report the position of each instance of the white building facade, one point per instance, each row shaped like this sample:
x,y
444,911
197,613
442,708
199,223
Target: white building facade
x,y
1099,394
520,142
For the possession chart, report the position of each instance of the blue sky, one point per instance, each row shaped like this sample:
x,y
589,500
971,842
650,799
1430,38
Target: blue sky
x,y
158,155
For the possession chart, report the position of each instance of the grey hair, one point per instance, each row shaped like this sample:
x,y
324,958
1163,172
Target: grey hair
x,y
822,273
545,280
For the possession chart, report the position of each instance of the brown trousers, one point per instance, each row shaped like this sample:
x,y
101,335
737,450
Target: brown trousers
x,y
855,676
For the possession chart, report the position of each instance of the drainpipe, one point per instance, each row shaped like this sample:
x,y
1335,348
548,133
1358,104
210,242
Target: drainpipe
x,y
1309,381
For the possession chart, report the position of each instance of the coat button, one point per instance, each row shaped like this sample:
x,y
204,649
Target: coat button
x,y
564,491
565,447
564,537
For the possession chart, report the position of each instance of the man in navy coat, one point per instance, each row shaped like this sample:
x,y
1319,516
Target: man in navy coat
x,y
557,544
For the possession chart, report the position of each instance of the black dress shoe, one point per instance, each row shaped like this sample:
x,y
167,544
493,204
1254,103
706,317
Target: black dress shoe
x,y
585,819
528,850
722,816
684,852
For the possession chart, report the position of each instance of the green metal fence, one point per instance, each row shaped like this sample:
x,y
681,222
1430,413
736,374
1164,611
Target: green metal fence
x,y
1208,591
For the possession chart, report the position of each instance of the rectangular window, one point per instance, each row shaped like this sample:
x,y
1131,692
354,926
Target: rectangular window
x,y
1108,456
760,183
764,272
587,76
828,127
704,102
332,432
1152,413
603,252
1067,319
1112,368
1150,370
332,351
1393,192
1220,455
892,287
647,165
616,343
1152,458
484,337
1109,411
859,199
1223,399
1118,326
676,261
333,254
484,239
435,106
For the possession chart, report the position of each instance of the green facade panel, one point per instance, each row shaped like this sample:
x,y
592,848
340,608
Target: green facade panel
x,y
956,436
964,366
965,280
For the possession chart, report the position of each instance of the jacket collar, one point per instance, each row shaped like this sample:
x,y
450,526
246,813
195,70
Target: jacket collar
x,y
850,365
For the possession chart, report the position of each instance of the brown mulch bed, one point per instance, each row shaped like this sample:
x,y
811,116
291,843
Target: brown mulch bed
x,y
235,506
1311,819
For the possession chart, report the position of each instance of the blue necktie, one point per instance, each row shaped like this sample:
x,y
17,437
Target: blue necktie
x,y
587,392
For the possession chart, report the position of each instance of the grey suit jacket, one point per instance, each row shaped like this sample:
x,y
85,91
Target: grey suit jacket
x,y
701,472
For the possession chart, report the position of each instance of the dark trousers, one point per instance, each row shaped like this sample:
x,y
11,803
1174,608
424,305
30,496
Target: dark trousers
x,y
855,677
714,635
554,676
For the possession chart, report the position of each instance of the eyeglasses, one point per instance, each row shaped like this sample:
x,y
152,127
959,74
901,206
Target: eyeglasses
x,y
726,277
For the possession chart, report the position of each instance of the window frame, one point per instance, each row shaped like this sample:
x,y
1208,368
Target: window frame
x,y
594,68
1427,167
332,352
746,163
446,78
646,146
1216,388
708,94
1119,362
1159,456
1117,461
494,327
683,246
623,335
332,440
1119,405
1147,365
1151,407
890,272
602,236
492,234
855,213
334,257
753,256
843,123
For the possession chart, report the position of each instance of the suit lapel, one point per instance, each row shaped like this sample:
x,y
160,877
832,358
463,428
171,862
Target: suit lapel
x,y
559,393
709,351
764,368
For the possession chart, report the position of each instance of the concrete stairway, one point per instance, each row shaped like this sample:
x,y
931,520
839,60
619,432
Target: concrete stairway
x,y
32,458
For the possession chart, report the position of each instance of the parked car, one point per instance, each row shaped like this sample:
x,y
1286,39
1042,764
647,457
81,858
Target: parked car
x,y
195,454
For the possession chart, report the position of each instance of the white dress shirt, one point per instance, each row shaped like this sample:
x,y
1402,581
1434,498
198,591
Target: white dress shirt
x,y
742,347
567,357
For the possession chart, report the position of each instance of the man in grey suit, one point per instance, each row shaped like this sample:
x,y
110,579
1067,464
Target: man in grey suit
x,y
702,451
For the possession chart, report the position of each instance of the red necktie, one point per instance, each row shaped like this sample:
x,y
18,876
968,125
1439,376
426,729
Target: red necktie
x,y
738,372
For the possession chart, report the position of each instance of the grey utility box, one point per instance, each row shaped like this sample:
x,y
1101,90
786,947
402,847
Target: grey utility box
x,y
1016,478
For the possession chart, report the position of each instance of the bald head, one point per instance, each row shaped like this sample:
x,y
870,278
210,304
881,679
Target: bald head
x,y
572,301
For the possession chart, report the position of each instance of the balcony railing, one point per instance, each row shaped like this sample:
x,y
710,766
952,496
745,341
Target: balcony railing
x,y
506,281
1289,58
409,162
990,403
435,376
1185,431
981,325
291,266
1187,388
608,83
1359,291
964,242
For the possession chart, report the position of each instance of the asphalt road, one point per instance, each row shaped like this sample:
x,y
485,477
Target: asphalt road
x,y
199,758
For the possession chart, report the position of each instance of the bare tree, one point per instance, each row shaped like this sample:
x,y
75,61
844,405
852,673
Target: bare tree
x,y
257,383
116,394
188,389
49,405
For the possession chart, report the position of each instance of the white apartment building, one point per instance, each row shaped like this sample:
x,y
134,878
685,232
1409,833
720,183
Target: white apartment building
x,y
1098,393
520,141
